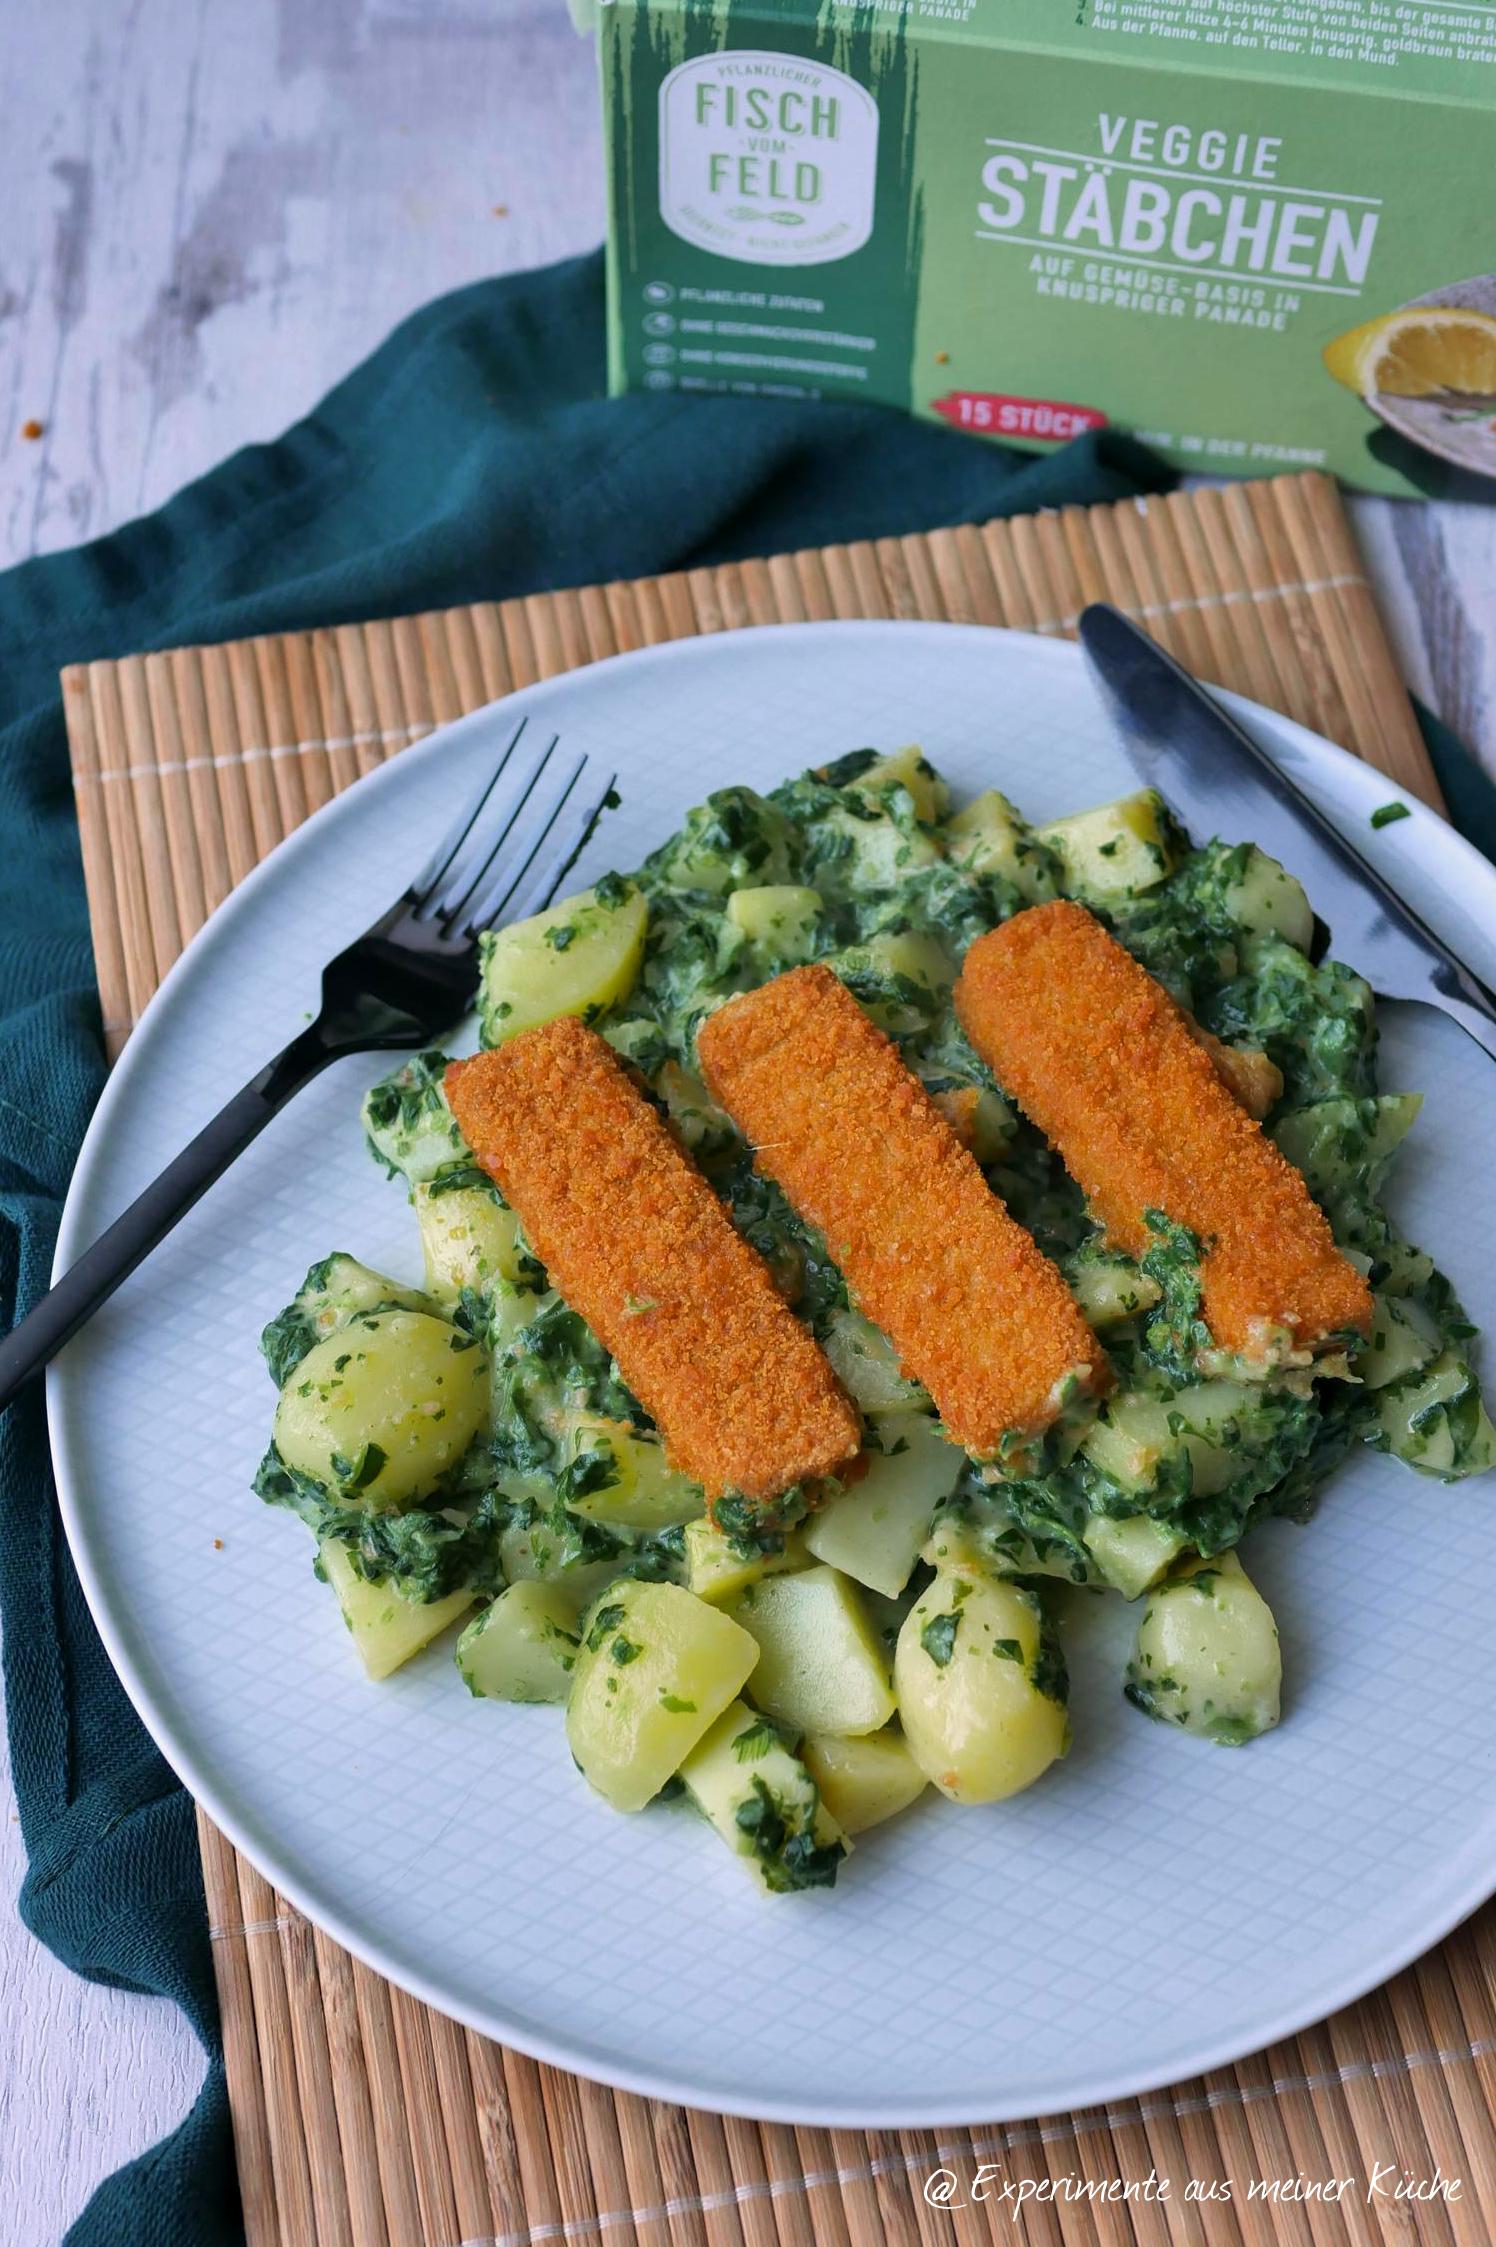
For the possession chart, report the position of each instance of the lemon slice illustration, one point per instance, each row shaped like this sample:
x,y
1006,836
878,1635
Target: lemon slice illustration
x,y
1423,351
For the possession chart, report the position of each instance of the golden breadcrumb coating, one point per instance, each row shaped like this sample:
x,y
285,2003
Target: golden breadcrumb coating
x,y
1106,1064
973,1308
636,1241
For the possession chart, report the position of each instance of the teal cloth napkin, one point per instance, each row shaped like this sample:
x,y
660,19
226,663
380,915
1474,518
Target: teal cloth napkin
x,y
472,457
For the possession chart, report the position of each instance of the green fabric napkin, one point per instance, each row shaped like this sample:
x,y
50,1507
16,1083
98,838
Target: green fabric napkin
x,y
473,456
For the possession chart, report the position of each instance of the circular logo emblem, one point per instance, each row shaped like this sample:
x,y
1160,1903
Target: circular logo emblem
x,y
771,159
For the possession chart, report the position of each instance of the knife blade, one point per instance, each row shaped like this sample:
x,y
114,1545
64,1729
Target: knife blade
x,y
1221,784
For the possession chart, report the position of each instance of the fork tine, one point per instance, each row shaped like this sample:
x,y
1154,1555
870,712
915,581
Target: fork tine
x,y
451,843
503,809
526,840
529,814
518,890
529,837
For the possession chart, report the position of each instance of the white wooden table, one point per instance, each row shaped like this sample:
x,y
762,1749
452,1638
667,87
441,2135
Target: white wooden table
x,y
213,210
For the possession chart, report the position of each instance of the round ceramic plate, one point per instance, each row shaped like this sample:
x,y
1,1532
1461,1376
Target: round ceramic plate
x,y
1154,1907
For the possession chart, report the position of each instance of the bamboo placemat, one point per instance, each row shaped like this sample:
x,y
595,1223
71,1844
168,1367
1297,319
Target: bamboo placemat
x,y
365,2120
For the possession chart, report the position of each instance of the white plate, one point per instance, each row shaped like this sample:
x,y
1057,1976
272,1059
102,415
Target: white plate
x,y
1155,1907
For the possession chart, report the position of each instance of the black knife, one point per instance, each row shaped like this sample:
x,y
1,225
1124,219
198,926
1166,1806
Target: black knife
x,y
1215,778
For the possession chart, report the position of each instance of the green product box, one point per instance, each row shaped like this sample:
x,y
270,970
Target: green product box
x,y
1260,234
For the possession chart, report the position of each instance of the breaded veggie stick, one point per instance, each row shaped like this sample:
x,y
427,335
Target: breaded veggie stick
x,y
637,1243
974,1309
1105,1063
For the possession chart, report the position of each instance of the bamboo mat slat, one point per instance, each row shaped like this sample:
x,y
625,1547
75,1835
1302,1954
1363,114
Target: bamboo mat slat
x,y
364,2120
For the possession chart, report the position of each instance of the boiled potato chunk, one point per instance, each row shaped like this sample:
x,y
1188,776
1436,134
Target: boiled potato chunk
x,y
1268,901
1135,1434
1134,1552
471,1239
880,848
1343,1144
473,1245
820,1665
1207,1655
780,919
867,1365
340,1288
912,770
523,1646
1110,1288
908,954
699,1124
579,957
865,1780
964,1543
964,1670
534,1554
736,837
335,1290
764,1803
1435,1420
409,1125
989,837
718,1567
1130,1439
618,1474
1115,850
387,1627
873,1531
896,977
655,1670
379,1411
1402,1339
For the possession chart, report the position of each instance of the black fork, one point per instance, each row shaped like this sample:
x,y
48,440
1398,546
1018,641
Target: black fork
x,y
410,976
